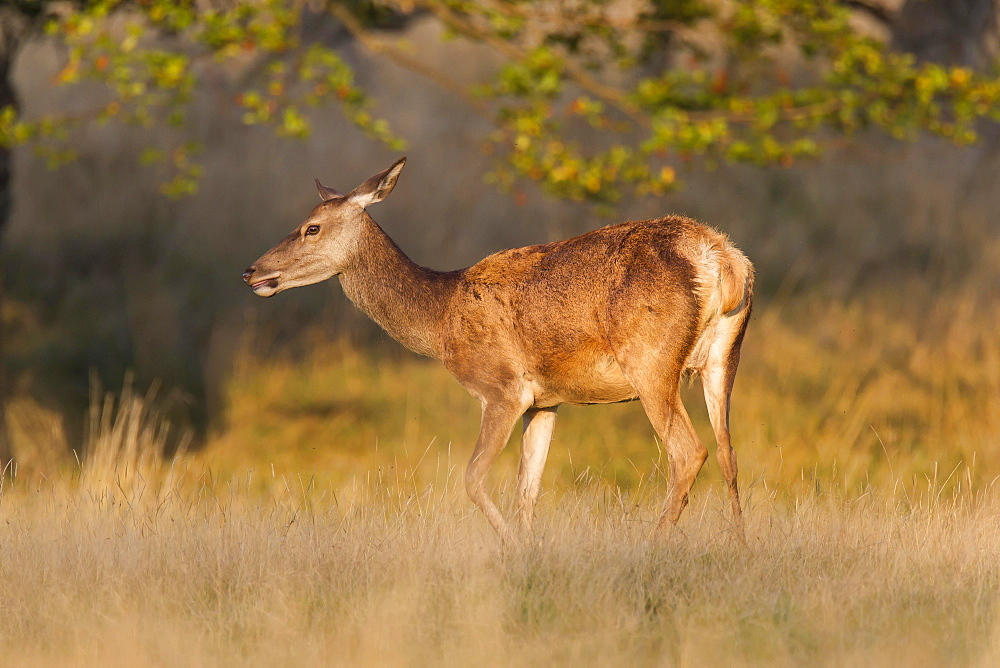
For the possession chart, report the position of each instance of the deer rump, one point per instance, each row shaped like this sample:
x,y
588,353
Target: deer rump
x,y
573,321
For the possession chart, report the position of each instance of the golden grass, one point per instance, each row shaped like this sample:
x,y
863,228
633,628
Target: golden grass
x,y
398,570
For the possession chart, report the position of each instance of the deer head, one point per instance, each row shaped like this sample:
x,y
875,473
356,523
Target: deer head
x,y
325,243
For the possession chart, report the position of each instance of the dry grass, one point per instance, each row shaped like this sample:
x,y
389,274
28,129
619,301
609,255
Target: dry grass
x,y
396,570
135,559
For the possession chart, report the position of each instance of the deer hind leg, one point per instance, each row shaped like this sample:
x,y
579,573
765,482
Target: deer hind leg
x,y
538,426
717,388
494,432
686,454
717,381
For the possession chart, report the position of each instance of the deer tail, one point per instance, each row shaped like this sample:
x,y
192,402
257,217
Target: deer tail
x,y
735,281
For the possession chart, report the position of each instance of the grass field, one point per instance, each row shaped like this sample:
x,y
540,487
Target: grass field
x,y
179,567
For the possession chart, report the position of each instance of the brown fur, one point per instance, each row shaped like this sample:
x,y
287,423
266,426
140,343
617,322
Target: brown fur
x,y
615,314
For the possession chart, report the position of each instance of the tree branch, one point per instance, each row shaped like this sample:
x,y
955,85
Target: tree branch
x,y
579,76
874,9
405,60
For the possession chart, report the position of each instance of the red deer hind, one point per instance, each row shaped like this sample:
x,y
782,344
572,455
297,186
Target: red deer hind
x,y
616,314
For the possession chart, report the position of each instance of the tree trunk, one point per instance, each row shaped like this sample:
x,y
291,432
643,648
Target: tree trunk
x,y
7,97
953,32
13,25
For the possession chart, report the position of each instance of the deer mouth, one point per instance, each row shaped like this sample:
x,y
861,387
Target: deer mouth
x,y
266,286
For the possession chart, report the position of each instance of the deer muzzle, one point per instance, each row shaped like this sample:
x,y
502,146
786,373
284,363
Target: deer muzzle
x,y
264,286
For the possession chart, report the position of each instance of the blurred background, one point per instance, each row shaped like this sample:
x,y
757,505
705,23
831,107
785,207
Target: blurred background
x,y
873,355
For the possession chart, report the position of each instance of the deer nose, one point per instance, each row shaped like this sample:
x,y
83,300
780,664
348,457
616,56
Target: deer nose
x,y
247,274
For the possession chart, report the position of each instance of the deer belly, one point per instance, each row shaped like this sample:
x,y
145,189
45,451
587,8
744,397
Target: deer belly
x,y
591,380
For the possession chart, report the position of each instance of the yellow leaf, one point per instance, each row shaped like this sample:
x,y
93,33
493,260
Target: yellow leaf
x,y
564,172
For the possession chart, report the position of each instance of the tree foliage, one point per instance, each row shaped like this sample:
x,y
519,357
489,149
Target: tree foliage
x,y
593,100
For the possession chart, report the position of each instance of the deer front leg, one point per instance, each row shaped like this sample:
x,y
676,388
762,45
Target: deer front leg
x,y
494,432
538,425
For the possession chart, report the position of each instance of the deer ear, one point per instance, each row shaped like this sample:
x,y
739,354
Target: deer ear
x,y
327,193
377,187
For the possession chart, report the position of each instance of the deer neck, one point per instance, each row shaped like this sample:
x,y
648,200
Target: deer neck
x,y
408,301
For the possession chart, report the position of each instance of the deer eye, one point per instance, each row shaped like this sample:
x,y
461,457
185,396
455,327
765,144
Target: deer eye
x,y
312,229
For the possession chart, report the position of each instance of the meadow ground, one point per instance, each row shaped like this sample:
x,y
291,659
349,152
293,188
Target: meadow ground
x,y
325,522
183,568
